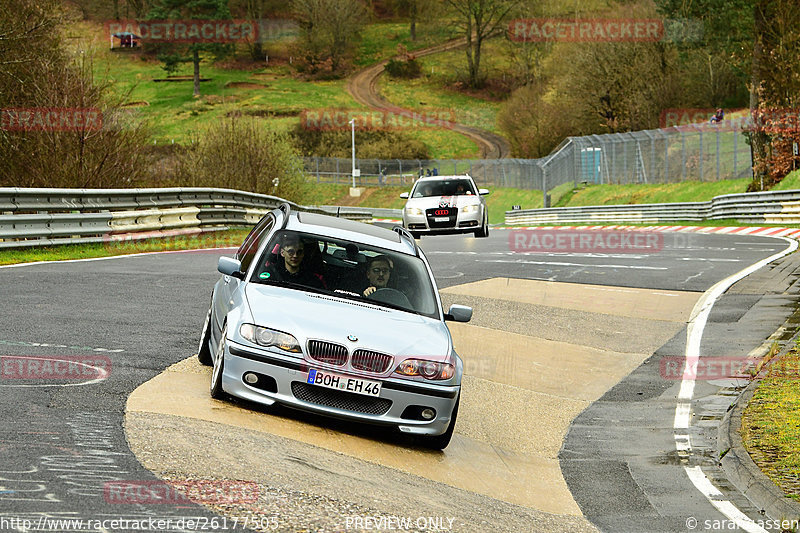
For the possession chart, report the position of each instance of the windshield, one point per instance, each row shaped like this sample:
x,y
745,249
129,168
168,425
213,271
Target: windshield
x,y
454,187
347,269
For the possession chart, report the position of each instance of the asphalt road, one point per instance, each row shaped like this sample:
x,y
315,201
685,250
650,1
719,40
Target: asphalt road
x,y
62,443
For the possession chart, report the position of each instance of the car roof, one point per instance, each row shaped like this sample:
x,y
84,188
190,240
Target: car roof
x,y
328,226
439,178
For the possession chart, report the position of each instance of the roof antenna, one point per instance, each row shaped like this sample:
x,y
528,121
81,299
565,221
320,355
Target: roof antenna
x,y
338,209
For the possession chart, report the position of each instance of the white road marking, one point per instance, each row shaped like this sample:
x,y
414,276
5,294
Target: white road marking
x,y
694,334
68,346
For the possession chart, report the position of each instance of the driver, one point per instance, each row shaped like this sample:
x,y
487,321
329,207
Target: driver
x,y
379,270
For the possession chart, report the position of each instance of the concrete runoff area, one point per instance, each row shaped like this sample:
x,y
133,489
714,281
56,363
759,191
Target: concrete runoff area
x,y
520,393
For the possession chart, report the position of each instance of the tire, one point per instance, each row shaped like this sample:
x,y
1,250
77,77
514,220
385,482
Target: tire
x,y
440,442
416,235
484,231
219,365
203,351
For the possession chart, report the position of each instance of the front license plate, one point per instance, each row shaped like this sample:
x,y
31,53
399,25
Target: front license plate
x,y
441,219
330,380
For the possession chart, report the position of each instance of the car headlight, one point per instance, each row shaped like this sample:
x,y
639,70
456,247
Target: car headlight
x,y
470,208
426,369
269,337
416,211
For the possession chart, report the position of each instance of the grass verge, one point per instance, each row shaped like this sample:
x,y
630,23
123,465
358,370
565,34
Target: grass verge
x,y
771,424
687,191
218,239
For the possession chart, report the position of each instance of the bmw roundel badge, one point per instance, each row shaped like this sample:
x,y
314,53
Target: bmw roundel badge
x,y
352,338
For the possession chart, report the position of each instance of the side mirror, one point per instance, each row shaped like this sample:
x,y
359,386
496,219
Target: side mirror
x,y
404,195
459,313
230,267
483,192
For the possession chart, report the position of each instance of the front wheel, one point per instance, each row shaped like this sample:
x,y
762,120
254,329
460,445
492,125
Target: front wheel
x,y
484,230
219,365
203,351
440,442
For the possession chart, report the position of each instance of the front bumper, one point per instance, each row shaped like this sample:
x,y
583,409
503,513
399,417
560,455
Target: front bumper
x,y
282,380
462,223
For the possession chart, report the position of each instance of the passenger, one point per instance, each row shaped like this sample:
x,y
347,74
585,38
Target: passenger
x,y
291,266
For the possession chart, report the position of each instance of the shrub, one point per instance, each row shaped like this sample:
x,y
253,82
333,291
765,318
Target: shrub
x,y
370,144
241,153
404,69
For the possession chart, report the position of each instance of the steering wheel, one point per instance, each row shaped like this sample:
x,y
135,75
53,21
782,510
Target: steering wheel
x,y
390,296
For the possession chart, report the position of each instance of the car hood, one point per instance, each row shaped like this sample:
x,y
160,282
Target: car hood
x,y
443,201
309,315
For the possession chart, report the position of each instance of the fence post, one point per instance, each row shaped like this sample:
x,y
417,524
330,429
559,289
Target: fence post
x,y
625,160
735,150
400,166
701,155
316,159
683,156
544,186
717,155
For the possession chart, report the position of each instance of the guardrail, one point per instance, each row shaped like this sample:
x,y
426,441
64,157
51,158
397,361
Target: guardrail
x,y
41,217
778,207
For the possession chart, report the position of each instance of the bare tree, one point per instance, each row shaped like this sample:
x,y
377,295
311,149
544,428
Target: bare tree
x,y
329,29
479,20
36,73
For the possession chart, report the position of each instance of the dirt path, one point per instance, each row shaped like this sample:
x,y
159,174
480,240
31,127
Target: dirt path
x,y
363,86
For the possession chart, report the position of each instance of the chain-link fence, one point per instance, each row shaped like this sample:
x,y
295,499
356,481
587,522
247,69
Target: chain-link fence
x,y
701,152
515,173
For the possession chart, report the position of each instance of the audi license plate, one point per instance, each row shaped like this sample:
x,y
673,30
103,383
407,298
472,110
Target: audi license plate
x,y
330,380
441,219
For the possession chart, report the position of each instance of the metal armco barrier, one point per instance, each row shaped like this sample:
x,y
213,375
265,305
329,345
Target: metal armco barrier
x,y
779,207
41,217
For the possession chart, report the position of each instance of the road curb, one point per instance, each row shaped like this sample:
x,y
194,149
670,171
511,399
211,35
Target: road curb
x,y
740,468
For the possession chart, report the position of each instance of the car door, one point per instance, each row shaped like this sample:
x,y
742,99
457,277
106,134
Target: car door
x,y
227,285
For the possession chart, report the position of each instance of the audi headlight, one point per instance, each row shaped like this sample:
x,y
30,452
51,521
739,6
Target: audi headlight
x,y
416,211
426,369
269,337
470,208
